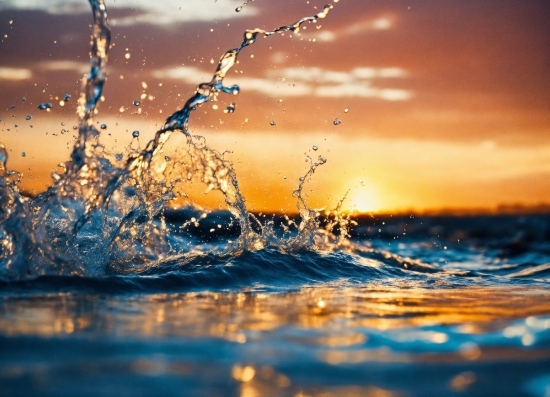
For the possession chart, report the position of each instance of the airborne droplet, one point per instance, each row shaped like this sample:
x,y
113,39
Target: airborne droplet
x,y
230,108
103,126
136,103
336,121
3,156
239,9
44,106
135,134
315,147
66,97
28,117
272,122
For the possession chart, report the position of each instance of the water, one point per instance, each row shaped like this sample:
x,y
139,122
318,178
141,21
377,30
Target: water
x,y
105,290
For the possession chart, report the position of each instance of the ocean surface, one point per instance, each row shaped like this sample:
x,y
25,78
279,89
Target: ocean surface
x,y
408,306
108,289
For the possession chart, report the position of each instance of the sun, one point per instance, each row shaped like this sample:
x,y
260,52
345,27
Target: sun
x,y
364,200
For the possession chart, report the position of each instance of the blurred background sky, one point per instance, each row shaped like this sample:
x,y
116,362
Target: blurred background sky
x,y
449,100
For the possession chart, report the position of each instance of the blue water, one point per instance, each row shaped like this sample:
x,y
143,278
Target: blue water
x,y
385,315
107,290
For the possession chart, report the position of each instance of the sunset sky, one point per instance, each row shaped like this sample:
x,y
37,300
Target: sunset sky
x,y
448,100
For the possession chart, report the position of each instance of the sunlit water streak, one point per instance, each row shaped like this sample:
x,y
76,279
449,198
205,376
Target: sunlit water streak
x,y
98,276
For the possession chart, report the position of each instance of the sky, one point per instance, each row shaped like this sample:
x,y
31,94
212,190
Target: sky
x,y
442,103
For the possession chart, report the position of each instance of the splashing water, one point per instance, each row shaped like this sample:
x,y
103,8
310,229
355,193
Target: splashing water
x,y
100,217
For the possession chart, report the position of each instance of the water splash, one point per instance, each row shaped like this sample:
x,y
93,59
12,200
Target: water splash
x,y
101,215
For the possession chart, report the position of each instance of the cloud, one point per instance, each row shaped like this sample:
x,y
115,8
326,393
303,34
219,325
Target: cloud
x,y
188,74
381,23
363,90
14,73
192,75
328,76
151,12
312,81
66,66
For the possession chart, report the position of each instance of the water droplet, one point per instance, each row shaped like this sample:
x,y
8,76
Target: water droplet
x,y
136,103
62,123
336,121
315,147
272,122
75,127
239,9
346,110
16,125
28,117
230,108
135,134
44,106
12,106
167,158
23,99
3,156
66,97
23,154
103,126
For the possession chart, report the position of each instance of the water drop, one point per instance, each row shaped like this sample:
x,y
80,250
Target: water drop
x,y
167,158
135,134
346,110
336,121
23,99
44,106
230,108
136,103
103,126
28,117
75,127
23,154
315,147
272,122
239,9
66,97
3,156
12,106
16,125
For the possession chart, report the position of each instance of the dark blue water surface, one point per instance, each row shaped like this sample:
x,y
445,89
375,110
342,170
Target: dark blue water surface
x,y
388,314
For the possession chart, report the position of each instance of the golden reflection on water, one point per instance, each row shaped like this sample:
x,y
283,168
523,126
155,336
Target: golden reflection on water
x,y
336,313
336,326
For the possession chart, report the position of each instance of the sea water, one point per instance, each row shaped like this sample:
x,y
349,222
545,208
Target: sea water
x,y
105,290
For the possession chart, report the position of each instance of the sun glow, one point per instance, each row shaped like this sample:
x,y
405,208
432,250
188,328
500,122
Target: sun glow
x,y
364,200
